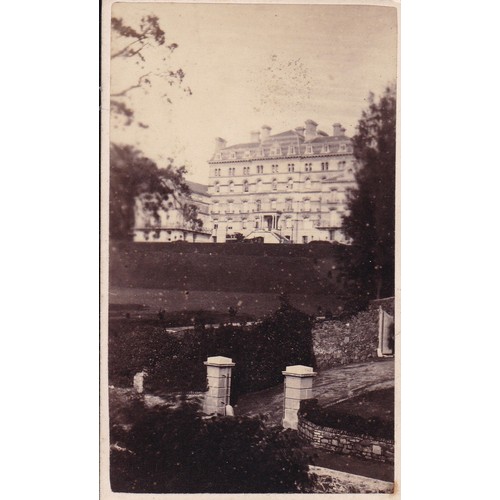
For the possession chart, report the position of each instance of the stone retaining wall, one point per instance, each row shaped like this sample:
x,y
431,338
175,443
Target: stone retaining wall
x,y
354,340
339,441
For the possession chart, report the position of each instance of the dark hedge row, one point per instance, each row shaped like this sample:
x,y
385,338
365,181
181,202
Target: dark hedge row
x,y
350,422
174,362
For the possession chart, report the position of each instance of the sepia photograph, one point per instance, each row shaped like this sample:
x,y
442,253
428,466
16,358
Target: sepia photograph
x,y
249,248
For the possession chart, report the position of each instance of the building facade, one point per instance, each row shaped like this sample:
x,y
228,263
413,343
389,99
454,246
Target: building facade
x,y
172,224
287,187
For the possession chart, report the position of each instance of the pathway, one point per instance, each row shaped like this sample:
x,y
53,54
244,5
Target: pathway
x,y
329,386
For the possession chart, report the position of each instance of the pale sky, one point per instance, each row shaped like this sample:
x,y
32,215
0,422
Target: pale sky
x,y
250,65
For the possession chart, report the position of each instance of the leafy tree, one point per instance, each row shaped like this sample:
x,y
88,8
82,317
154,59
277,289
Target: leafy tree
x,y
370,261
137,182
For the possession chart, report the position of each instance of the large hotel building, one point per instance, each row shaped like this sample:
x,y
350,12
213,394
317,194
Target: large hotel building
x,y
286,187
289,187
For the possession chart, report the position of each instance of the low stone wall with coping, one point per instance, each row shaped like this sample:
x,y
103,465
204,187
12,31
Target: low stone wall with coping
x,y
340,441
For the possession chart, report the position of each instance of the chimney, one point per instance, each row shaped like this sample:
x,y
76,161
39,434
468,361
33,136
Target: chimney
x,y
300,130
310,132
265,133
338,130
220,143
254,136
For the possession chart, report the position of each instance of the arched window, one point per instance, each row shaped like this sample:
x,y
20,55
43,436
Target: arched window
x,y
258,205
275,184
289,184
245,186
308,183
231,186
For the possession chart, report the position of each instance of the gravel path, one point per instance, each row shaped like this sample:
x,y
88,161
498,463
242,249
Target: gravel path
x,y
332,385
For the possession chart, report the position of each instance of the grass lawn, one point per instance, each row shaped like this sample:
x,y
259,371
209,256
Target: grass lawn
x,y
371,404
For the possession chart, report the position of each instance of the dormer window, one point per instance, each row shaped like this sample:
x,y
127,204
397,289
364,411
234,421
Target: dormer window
x,y
275,149
247,153
342,147
233,155
325,148
292,150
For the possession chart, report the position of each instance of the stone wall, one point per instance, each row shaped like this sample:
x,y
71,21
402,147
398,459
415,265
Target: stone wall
x,y
354,340
338,441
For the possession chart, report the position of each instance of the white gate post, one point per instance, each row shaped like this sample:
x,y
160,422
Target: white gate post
x,y
219,384
298,386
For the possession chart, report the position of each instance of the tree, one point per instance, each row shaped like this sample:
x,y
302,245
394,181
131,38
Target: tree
x,y
136,182
370,262
144,51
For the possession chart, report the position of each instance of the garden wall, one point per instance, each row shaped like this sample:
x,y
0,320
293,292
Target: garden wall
x,y
354,340
340,441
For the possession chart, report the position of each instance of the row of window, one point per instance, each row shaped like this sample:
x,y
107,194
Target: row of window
x,y
258,185
259,169
276,150
273,205
286,223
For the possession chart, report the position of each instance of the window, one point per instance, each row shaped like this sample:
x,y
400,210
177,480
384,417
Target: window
x,y
307,205
243,223
341,165
308,183
325,148
308,167
274,169
273,204
275,184
245,186
289,184
289,205
324,166
309,149
244,206
292,150
233,155
260,169
291,167
258,205
216,225
230,207
231,186
258,185
217,187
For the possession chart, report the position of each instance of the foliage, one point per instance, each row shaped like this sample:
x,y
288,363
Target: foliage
x,y
370,224
136,45
175,362
176,451
135,178
352,422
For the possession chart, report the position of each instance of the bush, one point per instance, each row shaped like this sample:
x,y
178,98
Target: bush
x,y
350,422
177,451
175,362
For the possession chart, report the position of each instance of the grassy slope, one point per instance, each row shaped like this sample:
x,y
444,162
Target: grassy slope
x,y
245,268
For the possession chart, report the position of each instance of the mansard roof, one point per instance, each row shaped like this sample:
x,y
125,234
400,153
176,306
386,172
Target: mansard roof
x,y
290,143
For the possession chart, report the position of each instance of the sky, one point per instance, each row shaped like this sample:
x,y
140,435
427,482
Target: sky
x,y
253,65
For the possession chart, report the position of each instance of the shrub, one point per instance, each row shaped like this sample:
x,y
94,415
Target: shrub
x,y
175,362
176,451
